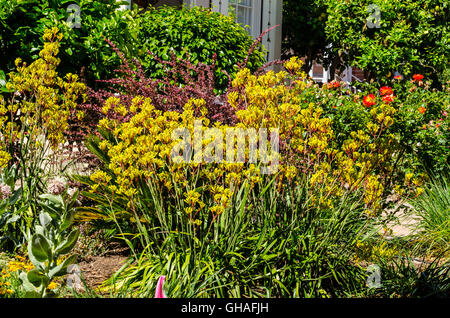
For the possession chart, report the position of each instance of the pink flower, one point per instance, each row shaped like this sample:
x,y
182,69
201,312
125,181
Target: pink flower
x,y
5,191
159,288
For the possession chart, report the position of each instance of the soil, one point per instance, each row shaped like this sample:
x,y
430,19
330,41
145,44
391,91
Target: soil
x,y
96,269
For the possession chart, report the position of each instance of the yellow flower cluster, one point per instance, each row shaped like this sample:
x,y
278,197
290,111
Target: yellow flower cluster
x,y
306,136
142,148
373,252
4,288
18,264
42,101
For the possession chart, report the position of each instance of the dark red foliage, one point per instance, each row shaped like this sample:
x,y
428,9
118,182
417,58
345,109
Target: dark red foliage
x,y
183,81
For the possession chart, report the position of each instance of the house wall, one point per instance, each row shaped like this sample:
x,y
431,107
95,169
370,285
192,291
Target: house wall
x,y
200,3
358,73
272,14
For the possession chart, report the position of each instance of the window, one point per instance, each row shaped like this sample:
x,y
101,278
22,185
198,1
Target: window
x,y
245,12
258,15
241,10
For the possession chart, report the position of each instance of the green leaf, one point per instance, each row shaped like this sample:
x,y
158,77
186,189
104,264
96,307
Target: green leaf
x,y
44,219
36,278
32,294
61,269
56,199
38,264
16,196
30,290
67,245
40,248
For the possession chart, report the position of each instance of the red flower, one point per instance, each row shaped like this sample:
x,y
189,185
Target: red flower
x,y
386,90
422,109
369,100
398,77
334,84
417,77
388,98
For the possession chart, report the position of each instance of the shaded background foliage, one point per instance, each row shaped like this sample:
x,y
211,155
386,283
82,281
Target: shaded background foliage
x,y
412,37
304,30
193,34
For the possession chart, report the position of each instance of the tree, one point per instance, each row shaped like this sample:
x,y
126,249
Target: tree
x,y
304,31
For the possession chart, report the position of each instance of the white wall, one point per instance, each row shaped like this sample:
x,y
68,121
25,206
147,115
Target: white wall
x,y
272,16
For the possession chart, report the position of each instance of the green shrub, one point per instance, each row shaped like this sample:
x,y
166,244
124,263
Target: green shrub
x,y
410,37
22,25
194,34
200,32
420,126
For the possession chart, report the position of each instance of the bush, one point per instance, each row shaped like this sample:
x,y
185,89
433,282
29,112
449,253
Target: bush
x,y
196,35
317,197
412,37
420,119
22,25
166,94
193,34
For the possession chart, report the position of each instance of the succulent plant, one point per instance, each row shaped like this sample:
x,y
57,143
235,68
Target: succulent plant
x,y
51,239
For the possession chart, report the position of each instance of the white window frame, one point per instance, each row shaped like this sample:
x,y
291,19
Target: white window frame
x,y
255,24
